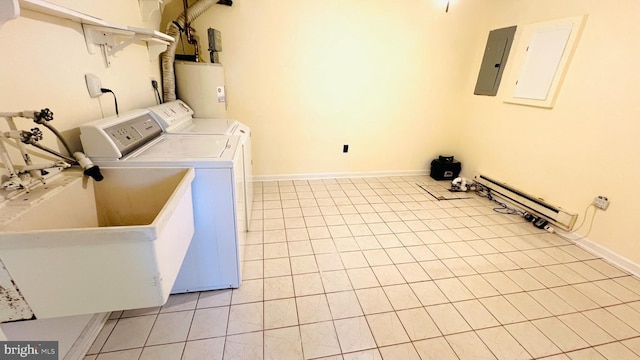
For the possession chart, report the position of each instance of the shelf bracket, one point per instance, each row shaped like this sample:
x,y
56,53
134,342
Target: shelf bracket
x,y
106,40
155,48
100,39
8,10
148,7
114,49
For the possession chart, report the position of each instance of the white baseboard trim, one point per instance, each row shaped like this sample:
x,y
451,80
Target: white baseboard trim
x,y
320,176
606,253
87,337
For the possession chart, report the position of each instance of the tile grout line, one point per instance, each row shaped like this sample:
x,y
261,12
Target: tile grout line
x,y
557,262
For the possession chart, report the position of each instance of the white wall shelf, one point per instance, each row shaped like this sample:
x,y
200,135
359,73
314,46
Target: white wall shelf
x,y
58,11
100,35
108,40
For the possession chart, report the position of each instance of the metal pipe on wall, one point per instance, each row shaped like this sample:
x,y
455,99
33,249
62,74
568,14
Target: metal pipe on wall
x,y
168,73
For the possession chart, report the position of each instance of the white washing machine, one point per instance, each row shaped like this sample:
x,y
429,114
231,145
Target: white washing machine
x,y
176,117
136,139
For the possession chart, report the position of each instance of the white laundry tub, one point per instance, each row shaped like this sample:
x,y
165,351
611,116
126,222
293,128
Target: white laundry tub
x,y
76,246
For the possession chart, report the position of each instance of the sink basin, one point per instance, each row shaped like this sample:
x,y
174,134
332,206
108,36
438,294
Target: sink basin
x,y
76,246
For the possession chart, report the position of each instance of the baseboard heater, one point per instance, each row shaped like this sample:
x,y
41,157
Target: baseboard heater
x,y
554,214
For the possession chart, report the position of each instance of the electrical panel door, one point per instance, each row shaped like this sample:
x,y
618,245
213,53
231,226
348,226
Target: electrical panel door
x,y
494,60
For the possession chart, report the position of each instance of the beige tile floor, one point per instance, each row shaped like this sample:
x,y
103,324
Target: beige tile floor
x,y
377,268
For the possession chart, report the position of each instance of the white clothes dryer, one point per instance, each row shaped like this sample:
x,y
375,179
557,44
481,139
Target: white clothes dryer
x,y
176,117
136,139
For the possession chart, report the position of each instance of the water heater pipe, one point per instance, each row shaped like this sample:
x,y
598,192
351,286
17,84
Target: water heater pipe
x,y
191,39
168,73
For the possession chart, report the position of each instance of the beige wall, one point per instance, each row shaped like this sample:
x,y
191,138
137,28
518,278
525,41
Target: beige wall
x,y
587,145
43,61
395,80
310,76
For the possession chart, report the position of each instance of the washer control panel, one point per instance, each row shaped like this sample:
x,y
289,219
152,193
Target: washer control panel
x,y
115,137
134,133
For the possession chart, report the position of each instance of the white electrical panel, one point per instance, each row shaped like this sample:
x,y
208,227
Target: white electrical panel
x,y
541,60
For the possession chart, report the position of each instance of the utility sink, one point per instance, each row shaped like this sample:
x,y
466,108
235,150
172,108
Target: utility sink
x,y
76,246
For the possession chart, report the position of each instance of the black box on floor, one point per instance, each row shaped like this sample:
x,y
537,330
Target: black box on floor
x,y
445,170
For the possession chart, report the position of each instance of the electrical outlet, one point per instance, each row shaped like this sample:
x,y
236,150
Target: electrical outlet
x,y
601,202
93,85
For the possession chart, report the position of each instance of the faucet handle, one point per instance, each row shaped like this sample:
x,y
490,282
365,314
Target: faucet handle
x,y
36,134
43,115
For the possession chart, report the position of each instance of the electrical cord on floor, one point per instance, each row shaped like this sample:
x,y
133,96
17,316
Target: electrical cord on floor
x,y
115,100
503,209
584,218
481,190
506,210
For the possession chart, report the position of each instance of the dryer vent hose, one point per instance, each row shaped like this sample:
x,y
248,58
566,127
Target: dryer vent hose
x,y
168,74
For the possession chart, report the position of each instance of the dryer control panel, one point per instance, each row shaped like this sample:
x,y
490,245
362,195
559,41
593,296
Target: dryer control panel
x,y
173,113
115,137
